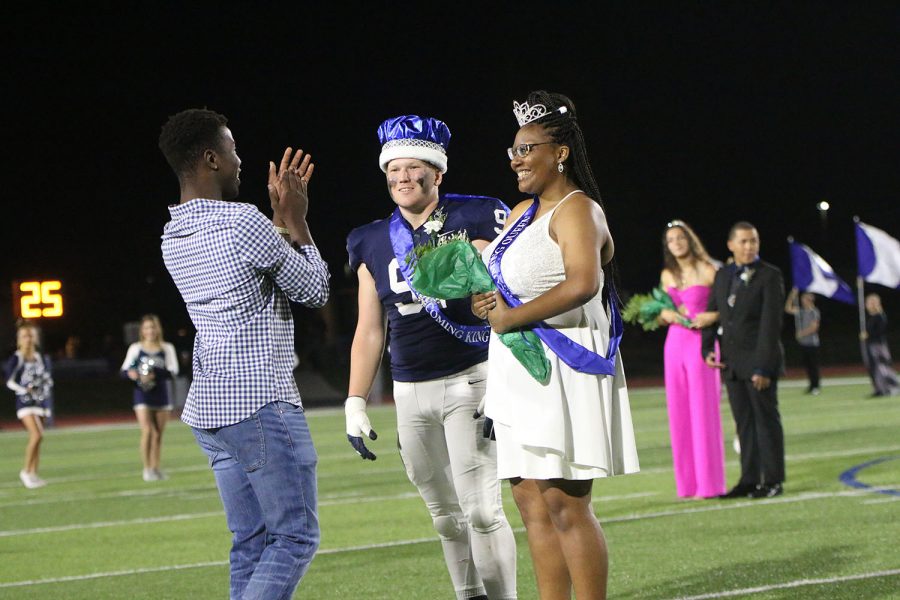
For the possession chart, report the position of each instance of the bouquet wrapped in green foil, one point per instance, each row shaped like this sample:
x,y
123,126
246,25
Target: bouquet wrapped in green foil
x,y
644,309
453,269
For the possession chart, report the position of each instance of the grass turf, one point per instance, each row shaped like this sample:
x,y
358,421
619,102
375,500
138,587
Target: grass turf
x,y
98,531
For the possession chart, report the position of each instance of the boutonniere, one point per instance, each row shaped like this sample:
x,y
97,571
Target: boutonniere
x,y
435,222
432,227
747,275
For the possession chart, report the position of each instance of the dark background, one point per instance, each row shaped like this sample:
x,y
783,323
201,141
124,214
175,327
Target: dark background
x,y
708,112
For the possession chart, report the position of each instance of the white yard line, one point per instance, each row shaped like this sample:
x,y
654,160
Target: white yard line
x,y
732,504
398,543
203,515
388,470
793,584
99,524
218,563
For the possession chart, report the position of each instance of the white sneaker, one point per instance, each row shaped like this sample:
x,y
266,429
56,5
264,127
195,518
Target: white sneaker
x,y
150,475
31,480
736,444
160,476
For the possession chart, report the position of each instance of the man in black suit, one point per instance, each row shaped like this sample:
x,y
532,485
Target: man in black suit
x,y
748,296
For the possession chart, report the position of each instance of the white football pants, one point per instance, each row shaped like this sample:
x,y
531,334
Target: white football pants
x,y
455,470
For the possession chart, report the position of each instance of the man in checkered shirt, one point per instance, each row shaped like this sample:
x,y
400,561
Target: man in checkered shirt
x,y
237,272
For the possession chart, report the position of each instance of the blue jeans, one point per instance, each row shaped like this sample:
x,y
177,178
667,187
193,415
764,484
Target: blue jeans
x,y
265,469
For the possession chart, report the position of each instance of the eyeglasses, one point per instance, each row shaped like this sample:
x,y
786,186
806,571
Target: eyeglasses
x,y
522,150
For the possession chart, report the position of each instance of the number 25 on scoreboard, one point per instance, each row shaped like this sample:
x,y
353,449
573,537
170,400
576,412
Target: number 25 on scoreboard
x,y
36,299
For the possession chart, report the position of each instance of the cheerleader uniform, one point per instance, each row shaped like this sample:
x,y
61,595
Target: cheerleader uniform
x,y
164,365
20,374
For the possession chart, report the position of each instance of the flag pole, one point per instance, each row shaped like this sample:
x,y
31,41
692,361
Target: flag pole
x,y
790,240
860,300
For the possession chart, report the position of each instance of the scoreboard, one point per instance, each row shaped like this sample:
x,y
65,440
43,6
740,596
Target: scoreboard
x,y
37,299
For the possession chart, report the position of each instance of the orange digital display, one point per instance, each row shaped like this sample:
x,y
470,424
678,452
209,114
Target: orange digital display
x,y
37,299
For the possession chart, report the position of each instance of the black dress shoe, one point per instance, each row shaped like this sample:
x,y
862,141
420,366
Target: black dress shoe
x,y
767,491
741,490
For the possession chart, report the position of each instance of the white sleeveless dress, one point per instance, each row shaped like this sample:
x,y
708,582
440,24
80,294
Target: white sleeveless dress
x,y
575,426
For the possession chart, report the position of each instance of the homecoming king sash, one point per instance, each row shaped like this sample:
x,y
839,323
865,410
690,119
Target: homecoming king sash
x,y
402,243
573,354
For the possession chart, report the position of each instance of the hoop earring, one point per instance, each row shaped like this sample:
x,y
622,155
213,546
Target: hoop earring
x,y
560,167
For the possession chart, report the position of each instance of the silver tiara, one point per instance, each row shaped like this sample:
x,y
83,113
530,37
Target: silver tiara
x,y
525,113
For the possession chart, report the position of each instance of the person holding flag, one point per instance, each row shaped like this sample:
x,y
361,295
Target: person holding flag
x,y
878,258
878,354
807,320
811,275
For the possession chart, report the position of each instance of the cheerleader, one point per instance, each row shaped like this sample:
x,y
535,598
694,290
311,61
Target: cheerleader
x,y
28,374
150,363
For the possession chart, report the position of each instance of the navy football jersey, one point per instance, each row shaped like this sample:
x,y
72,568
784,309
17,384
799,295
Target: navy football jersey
x,y
420,349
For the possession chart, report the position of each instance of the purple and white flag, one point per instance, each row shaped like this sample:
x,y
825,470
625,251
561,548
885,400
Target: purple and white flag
x,y
878,255
811,273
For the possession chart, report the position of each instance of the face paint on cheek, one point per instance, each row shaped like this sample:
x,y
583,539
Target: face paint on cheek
x,y
421,181
391,183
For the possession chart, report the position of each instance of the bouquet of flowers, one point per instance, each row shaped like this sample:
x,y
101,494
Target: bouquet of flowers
x,y
644,309
450,267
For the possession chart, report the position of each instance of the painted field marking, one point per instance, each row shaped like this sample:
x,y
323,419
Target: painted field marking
x,y
792,584
204,515
9,584
848,477
398,543
620,519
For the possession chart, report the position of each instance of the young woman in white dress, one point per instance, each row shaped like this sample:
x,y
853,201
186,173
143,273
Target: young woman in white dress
x,y
555,437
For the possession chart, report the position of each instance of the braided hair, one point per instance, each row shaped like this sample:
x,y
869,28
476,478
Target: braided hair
x,y
563,129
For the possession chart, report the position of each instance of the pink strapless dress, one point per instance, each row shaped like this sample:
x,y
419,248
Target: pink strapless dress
x,y
693,393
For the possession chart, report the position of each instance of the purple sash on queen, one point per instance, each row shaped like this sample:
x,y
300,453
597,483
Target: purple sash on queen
x,y
402,243
573,354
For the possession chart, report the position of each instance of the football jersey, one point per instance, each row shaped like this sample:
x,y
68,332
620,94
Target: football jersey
x,y
420,349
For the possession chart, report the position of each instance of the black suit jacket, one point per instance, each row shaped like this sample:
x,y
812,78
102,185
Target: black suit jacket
x,y
750,341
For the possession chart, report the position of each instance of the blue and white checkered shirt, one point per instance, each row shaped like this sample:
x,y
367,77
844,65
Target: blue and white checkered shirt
x,y
236,275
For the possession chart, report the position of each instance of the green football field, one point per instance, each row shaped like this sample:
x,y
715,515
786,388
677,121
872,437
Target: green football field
x,y
98,531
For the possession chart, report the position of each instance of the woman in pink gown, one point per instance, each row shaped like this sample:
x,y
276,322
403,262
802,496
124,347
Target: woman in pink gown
x,y
693,390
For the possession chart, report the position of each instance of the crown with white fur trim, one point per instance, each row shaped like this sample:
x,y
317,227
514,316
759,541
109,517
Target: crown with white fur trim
x,y
409,136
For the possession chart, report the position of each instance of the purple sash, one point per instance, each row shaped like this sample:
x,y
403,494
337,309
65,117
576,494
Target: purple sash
x,y
573,354
402,243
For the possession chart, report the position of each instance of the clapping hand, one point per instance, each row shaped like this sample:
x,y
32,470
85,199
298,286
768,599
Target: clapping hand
x,y
287,187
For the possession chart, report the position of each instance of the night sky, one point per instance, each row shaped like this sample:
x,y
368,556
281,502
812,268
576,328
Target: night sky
x,y
708,112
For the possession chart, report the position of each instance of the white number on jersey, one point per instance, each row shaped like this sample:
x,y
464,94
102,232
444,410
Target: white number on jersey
x,y
500,217
399,286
